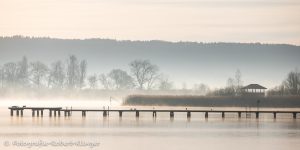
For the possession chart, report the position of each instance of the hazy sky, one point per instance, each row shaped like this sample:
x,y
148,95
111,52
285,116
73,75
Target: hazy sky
x,y
271,21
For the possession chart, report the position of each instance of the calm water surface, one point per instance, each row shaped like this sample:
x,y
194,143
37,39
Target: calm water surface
x,y
144,133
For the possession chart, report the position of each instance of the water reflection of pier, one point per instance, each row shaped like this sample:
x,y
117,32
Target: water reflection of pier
x,y
56,111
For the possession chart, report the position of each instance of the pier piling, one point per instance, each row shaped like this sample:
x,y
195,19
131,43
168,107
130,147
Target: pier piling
x,y
274,114
154,114
188,115
104,113
120,113
294,115
172,114
206,114
83,113
137,113
257,115
33,113
223,114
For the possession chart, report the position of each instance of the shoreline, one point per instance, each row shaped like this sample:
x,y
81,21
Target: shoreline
x,y
206,101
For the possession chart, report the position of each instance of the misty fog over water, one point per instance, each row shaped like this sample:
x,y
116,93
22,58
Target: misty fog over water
x,y
146,132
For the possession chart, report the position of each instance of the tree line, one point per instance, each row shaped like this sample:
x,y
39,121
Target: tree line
x,y
72,74
233,86
289,86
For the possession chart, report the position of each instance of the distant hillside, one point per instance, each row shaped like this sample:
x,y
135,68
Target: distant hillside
x,y
190,62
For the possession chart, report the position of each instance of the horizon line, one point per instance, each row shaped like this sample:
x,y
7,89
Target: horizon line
x,y
152,40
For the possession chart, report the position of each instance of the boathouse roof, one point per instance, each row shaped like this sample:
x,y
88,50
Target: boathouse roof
x,y
254,86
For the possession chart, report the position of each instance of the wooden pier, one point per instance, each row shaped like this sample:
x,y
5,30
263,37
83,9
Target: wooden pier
x,y
38,111
56,111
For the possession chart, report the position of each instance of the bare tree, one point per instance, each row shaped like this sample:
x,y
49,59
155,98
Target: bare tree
x,y
105,81
9,74
82,73
293,82
231,87
93,81
144,73
278,91
23,72
201,88
72,72
121,79
239,82
183,86
153,77
1,77
38,72
57,75
164,83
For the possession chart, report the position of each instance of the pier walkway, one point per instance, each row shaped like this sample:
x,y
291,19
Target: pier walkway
x,y
56,111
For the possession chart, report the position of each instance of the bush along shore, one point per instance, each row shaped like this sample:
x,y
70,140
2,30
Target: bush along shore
x,y
214,101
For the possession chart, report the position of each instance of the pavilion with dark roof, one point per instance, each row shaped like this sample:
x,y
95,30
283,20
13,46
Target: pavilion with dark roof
x,y
254,90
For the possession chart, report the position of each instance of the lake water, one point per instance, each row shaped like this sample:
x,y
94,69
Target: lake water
x,y
145,132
